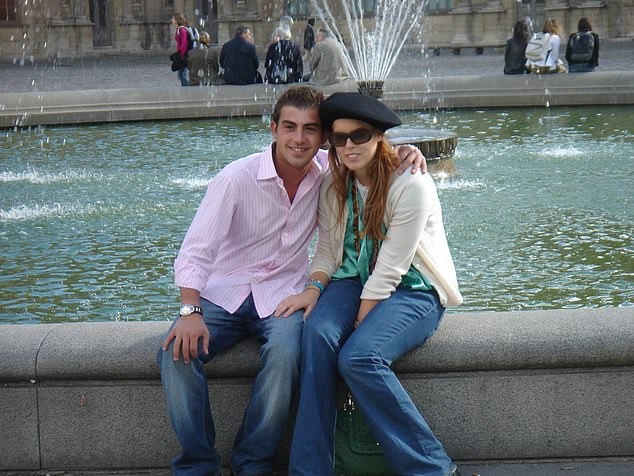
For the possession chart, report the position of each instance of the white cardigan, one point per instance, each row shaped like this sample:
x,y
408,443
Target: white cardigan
x,y
416,234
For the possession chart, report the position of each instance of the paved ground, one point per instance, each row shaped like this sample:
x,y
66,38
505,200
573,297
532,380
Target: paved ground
x,y
615,467
113,72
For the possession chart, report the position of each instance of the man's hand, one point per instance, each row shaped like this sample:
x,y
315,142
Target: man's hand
x,y
411,156
186,333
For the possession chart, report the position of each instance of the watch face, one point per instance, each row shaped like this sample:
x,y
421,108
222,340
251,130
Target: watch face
x,y
186,309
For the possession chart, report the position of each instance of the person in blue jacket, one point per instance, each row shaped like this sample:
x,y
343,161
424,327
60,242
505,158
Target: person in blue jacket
x,y
239,59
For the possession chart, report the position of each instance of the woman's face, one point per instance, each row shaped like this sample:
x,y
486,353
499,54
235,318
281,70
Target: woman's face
x,y
356,143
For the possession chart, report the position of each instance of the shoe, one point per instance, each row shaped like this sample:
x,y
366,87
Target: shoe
x,y
454,472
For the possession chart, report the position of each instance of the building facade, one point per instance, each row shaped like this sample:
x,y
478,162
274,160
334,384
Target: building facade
x,y
36,30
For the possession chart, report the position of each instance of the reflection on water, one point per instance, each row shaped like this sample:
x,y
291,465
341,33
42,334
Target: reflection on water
x,y
538,212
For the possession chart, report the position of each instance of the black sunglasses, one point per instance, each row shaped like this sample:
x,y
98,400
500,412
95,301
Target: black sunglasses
x,y
358,136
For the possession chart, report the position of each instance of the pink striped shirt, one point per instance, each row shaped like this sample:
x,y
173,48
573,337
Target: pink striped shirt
x,y
247,238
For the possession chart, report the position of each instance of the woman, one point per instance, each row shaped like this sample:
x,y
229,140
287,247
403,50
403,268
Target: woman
x,y
203,63
283,61
380,279
182,46
551,63
582,49
515,52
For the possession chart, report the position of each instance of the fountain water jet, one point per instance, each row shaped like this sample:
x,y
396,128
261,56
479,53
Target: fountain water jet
x,y
375,48
374,52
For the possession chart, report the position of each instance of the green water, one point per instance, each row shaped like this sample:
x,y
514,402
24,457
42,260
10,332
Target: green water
x,y
539,211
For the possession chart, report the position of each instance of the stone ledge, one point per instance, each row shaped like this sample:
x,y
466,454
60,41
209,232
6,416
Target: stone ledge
x,y
494,386
135,104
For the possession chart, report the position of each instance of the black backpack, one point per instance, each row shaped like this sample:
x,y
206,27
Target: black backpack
x,y
581,47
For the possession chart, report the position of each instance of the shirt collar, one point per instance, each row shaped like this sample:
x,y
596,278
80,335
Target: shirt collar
x,y
267,170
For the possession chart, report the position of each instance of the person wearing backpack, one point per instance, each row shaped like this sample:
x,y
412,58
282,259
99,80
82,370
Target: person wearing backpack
x,y
542,51
179,59
582,50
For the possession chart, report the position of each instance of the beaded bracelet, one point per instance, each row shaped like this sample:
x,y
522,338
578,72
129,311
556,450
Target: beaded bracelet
x,y
318,284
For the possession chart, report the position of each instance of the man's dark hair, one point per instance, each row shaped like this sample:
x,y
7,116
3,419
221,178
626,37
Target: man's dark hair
x,y
301,97
311,21
241,30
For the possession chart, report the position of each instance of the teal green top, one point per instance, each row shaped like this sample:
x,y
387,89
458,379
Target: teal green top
x,y
357,264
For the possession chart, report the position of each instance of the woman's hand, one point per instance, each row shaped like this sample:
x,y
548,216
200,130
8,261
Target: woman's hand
x,y
366,306
305,300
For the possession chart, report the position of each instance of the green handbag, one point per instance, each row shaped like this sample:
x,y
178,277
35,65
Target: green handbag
x,y
356,451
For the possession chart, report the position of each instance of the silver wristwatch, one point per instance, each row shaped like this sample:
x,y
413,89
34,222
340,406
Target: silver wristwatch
x,y
189,309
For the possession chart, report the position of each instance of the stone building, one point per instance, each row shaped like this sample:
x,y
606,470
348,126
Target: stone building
x,y
36,30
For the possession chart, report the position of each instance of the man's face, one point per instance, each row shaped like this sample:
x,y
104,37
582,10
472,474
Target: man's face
x,y
298,134
248,36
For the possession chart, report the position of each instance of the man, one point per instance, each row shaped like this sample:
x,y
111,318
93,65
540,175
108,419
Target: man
x,y
247,249
239,59
325,59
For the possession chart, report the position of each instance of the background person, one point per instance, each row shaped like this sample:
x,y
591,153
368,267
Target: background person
x,y
515,51
379,282
283,63
309,36
325,61
181,36
239,59
582,49
550,63
203,63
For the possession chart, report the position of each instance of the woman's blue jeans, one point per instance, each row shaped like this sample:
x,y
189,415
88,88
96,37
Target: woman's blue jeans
x,y
267,414
331,346
580,68
183,76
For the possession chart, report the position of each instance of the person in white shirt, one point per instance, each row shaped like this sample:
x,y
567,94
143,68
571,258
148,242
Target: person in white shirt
x,y
550,62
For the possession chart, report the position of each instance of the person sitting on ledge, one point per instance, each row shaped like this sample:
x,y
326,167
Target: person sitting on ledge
x,y
380,280
515,51
239,59
203,63
582,49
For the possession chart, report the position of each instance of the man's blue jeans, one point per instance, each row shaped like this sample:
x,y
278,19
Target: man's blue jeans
x,y
363,357
267,414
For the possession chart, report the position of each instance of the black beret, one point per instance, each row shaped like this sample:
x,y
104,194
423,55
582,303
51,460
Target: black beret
x,y
357,106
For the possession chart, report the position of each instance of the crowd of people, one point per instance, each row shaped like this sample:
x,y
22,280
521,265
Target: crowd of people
x,y
323,59
196,62
529,51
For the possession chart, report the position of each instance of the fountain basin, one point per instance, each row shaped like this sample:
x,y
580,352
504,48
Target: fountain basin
x,y
434,144
371,87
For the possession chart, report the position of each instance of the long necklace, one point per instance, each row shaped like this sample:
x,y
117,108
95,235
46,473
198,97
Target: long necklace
x,y
359,234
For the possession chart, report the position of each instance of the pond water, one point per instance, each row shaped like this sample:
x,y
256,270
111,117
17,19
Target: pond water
x,y
538,211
